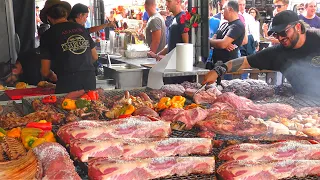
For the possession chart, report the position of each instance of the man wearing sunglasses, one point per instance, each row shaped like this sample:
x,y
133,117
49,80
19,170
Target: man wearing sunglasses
x,y
297,56
279,6
310,16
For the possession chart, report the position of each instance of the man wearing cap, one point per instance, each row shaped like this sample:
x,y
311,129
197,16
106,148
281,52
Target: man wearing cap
x,y
68,49
297,56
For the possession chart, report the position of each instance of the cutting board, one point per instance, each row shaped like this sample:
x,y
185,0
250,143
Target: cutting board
x,y
148,65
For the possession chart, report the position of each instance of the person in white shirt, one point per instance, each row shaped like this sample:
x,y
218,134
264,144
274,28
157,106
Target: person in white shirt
x,y
256,26
249,20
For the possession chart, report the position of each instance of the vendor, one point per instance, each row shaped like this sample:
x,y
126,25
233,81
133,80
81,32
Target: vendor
x,y
69,48
297,56
176,29
79,14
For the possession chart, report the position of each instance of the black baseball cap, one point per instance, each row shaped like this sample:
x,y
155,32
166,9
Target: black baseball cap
x,y
282,20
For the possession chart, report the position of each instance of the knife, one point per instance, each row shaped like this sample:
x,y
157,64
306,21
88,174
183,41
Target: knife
x,y
203,86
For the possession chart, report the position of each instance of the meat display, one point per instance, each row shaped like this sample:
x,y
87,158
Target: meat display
x,y
277,109
11,149
249,88
295,150
55,161
128,149
271,170
206,97
149,168
189,117
145,111
232,123
26,167
1,109
173,89
132,127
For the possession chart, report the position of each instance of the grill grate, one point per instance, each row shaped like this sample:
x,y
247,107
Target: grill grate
x,y
11,107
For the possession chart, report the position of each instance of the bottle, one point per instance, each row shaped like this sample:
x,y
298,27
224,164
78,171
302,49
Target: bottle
x,y
102,34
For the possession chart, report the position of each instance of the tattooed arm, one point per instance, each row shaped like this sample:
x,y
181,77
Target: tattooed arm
x,y
232,66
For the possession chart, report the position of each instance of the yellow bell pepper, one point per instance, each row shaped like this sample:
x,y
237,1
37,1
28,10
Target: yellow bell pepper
x,y
130,109
28,141
178,102
42,121
14,133
30,131
2,135
69,104
37,142
164,103
49,137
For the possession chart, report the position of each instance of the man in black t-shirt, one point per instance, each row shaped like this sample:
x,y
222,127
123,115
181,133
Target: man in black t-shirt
x,y
69,48
297,56
229,33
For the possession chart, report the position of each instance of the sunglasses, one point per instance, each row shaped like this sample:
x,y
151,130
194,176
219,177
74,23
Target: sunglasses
x,y
277,6
300,9
282,33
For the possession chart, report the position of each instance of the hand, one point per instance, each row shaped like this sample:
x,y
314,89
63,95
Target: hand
x,y
210,77
231,47
159,57
112,24
214,36
53,77
151,54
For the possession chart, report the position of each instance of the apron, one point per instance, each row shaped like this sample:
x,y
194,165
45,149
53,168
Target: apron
x,y
76,81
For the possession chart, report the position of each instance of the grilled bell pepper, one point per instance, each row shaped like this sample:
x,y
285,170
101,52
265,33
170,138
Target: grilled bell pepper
x,y
37,142
82,103
30,131
164,103
49,137
46,126
14,133
130,109
178,102
69,104
28,141
3,131
49,99
2,135
93,95
124,116
86,97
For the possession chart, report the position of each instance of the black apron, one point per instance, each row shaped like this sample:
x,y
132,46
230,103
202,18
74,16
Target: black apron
x,y
76,81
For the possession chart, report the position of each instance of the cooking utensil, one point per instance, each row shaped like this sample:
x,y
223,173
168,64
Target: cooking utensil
x,y
200,89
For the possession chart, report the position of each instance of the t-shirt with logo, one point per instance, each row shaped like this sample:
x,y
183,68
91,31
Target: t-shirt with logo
x,y
68,45
314,22
234,30
155,23
176,29
300,66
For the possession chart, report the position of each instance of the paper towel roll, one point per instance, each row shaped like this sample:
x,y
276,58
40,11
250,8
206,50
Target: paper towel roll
x,y
184,57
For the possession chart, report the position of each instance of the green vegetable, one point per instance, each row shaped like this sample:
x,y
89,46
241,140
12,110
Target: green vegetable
x,y
3,131
82,103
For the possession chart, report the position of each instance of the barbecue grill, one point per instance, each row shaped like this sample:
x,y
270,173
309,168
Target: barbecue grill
x,y
297,101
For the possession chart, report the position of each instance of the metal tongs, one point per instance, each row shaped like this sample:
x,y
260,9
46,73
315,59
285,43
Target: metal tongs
x,y
200,89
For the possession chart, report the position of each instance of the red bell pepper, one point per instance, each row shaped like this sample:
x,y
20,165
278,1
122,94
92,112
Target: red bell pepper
x,y
124,116
86,97
93,95
49,99
47,126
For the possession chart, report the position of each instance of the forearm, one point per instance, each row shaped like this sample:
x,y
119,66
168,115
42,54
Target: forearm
x,y
154,46
238,64
98,28
218,43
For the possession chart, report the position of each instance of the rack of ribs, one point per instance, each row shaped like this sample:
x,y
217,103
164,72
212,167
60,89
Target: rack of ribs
x,y
102,168
128,149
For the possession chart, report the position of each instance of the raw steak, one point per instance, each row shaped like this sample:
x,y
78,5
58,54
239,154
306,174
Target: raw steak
x,y
55,161
295,150
269,170
232,123
206,97
189,117
277,109
149,168
128,149
173,89
131,127
168,114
